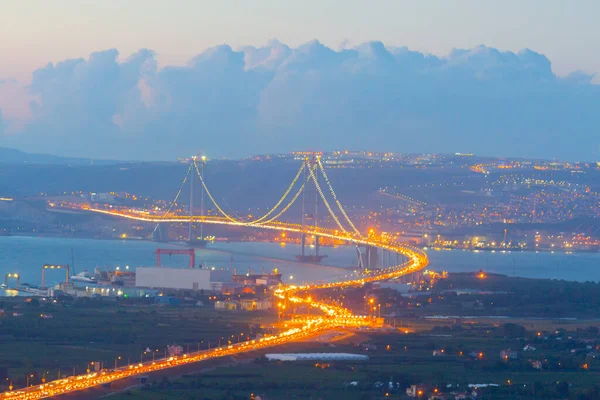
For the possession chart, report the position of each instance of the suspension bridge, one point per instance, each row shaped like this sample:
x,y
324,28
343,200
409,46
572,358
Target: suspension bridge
x,y
408,260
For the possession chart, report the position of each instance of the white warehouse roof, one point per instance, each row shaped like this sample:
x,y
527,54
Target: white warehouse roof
x,y
173,278
317,356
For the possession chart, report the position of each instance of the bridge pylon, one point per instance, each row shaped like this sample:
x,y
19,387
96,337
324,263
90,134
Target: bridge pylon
x,y
372,255
161,233
192,238
310,212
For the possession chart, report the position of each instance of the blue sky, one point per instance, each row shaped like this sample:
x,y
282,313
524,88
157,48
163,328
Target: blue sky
x,y
35,32
160,79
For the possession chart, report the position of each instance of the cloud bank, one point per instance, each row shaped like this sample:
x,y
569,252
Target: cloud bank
x,y
276,99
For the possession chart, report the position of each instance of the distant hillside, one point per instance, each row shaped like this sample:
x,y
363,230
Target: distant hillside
x,y
12,156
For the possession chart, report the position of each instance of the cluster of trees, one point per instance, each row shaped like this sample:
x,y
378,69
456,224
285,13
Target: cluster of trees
x,y
521,296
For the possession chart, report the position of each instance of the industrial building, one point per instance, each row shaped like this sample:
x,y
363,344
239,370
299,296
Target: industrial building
x,y
173,278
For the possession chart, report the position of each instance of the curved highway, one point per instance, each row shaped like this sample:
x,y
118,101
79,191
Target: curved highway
x,y
332,316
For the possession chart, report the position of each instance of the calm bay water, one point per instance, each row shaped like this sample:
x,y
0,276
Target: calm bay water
x,y
26,255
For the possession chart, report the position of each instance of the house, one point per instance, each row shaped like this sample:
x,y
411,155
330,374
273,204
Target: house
x,y
536,364
439,352
174,350
415,390
528,347
509,354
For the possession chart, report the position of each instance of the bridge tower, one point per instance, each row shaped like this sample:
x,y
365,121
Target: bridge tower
x,y
372,257
192,239
161,232
310,213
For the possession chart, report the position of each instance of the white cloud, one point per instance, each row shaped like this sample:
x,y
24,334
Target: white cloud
x,y
275,98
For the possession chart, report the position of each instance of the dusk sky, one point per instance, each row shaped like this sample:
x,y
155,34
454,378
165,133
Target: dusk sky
x,y
356,86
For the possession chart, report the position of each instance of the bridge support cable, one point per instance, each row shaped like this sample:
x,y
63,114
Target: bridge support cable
x,y
292,201
285,195
210,195
336,199
335,218
176,197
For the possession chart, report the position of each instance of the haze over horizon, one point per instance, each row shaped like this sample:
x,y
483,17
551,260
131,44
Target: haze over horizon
x,y
101,97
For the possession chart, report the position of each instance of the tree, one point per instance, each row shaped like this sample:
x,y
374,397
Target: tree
x,y
513,330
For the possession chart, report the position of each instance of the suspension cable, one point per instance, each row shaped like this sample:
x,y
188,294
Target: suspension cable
x,y
210,195
289,204
178,193
285,195
336,199
337,221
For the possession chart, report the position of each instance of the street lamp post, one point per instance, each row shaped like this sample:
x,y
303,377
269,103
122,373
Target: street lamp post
x,y
116,359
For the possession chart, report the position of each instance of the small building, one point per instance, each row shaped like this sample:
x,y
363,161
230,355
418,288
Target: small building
x,y
227,305
415,391
174,350
102,198
272,279
231,288
255,304
536,364
509,354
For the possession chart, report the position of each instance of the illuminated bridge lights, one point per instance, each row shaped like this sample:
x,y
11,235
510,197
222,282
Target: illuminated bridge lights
x,y
333,316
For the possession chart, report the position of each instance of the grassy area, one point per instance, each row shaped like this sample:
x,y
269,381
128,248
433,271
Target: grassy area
x,y
404,359
101,331
84,331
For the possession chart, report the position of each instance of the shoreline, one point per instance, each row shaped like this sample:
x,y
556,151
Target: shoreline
x,y
425,248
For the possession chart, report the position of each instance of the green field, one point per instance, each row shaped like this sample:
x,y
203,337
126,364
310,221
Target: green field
x,y
102,331
408,360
